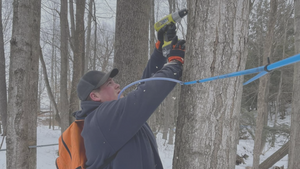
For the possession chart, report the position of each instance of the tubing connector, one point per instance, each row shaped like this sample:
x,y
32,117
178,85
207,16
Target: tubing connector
x,y
266,67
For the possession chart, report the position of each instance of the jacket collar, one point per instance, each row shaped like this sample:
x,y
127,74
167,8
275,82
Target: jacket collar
x,y
86,108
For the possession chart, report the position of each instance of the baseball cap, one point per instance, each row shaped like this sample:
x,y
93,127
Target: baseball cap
x,y
93,80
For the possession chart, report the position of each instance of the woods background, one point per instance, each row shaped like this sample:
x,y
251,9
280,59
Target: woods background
x,y
46,46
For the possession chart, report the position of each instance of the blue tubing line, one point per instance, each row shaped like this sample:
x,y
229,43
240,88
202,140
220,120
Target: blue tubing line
x,y
256,77
149,79
243,72
284,62
276,65
261,70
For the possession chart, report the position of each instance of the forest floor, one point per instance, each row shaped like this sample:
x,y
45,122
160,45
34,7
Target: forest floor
x,y
46,155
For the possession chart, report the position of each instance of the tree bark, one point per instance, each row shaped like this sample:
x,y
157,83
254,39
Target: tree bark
x,y
72,21
3,96
152,120
263,89
278,155
88,37
208,116
34,79
23,77
280,85
64,106
151,26
53,73
131,40
95,39
78,64
49,91
294,148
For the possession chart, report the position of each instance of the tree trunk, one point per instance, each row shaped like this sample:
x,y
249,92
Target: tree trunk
x,y
152,120
278,155
263,90
172,6
173,112
131,40
88,37
3,96
280,85
169,110
23,77
49,91
95,39
294,149
78,64
169,106
72,21
64,102
53,84
208,116
33,83
151,26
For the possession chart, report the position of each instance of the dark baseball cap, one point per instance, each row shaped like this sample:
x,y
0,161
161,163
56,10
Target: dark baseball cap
x,y
93,80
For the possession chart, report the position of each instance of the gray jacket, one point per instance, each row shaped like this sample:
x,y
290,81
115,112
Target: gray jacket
x,y
121,124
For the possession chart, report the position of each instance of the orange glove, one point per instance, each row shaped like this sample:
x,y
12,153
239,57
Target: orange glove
x,y
178,50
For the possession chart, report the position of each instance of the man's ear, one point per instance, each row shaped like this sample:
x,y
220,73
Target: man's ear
x,y
95,96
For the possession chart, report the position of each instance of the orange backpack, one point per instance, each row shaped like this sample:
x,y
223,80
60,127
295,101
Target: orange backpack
x,y
72,151
71,148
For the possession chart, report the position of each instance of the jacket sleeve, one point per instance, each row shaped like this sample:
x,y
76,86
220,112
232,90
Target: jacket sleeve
x,y
121,119
155,63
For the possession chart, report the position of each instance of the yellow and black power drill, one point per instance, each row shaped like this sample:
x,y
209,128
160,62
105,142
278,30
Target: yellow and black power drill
x,y
169,20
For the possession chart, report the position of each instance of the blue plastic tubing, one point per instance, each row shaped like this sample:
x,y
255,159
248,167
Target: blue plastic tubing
x,y
262,70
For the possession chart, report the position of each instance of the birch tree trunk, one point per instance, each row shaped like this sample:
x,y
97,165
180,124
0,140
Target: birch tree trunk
x,y
64,106
131,40
3,96
263,90
208,116
294,148
23,77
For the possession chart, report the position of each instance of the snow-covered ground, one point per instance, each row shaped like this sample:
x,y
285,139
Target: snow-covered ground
x,y
46,155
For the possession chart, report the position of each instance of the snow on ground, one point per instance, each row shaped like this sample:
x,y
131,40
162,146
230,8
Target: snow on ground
x,y
46,155
246,147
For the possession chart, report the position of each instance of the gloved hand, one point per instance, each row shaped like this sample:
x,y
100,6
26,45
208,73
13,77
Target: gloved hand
x,y
177,51
170,30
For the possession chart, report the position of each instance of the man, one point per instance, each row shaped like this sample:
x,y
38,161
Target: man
x,y
115,132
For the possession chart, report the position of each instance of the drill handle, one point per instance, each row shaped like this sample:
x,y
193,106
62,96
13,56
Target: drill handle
x,y
166,48
167,36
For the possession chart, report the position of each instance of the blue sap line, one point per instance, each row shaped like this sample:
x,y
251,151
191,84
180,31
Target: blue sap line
x,y
262,70
256,77
149,79
243,72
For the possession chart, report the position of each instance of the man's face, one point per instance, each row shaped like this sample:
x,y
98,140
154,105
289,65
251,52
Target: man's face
x,y
108,91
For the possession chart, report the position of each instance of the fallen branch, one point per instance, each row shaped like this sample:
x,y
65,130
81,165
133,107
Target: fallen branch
x,y
2,142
